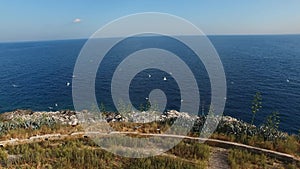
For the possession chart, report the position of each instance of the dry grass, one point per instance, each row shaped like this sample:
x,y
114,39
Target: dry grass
x,y
26,133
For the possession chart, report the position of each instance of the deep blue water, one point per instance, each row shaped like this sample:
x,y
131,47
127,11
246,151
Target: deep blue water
x,y
34,76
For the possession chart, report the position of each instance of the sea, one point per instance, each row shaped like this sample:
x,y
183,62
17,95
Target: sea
x,y
38,75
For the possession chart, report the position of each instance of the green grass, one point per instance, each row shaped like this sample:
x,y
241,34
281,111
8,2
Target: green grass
x,y
290,145
83,153
243,159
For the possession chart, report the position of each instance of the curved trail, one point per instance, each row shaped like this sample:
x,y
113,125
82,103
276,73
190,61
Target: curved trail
x,y
286,158
218,159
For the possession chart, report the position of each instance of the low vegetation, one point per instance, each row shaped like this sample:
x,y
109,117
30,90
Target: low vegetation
x,y
83,153
290,144
24,133
267,135
242,159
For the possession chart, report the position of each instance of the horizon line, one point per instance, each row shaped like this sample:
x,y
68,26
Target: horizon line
x,y
208,35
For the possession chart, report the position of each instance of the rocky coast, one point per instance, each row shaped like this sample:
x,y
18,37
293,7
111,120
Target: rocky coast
x,y
227,125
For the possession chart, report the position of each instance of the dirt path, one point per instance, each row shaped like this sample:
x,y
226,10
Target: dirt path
x,y
218,159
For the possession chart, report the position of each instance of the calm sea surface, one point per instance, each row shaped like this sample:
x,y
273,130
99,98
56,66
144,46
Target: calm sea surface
x,y
34,75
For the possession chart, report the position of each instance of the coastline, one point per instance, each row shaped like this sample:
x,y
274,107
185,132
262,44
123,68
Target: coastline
x,y
26,127
226,124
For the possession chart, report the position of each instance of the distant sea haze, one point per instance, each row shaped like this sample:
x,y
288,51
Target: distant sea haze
x,y
38,76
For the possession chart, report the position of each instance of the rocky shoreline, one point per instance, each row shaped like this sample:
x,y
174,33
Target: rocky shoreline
x,y
227,124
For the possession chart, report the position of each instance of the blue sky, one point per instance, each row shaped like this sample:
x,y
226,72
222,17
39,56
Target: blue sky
x,y
67,19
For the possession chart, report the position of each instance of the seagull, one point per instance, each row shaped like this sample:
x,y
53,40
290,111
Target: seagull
x,y
50,108
287,80
68,84
165,78
56,104
147,98
149,75
14,85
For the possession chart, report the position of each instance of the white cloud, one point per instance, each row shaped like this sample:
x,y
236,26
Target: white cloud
x,y
77,20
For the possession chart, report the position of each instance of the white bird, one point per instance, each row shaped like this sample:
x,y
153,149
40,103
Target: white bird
x,y
165,78
13,85
50,108
149,75
181,100
56,104
68,84
147,98
287,80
